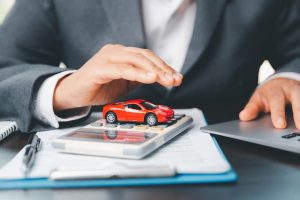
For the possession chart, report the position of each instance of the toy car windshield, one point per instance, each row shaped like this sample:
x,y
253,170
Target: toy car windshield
x,y
148,105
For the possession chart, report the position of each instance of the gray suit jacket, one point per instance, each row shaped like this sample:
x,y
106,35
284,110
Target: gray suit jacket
x,y
230,40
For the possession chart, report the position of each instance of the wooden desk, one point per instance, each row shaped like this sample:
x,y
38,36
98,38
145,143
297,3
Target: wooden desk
x,y
264,173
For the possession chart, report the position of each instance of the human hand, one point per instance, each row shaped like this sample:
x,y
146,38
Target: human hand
x,y
272,97
111,73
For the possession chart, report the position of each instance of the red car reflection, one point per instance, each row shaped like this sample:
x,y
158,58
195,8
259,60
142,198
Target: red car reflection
x,y
123,137
138,110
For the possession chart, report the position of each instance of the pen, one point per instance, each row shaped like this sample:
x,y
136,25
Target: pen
x,y
32,147
71,173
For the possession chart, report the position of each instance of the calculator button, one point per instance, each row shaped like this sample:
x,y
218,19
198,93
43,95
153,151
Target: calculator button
x,y
97,124
170,122
111,125
156,128
127,126
288,136
179,116
141,127
173,120
162,125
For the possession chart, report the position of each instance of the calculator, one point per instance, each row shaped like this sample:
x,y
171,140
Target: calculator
x,y
121,140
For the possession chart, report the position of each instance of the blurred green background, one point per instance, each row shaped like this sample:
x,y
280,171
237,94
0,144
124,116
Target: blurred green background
x,y
5,5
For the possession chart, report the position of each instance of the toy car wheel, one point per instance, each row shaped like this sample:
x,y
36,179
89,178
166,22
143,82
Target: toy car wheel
x,y
151,119
111,117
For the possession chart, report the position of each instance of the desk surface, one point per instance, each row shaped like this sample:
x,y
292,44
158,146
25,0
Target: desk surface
x,y
264,173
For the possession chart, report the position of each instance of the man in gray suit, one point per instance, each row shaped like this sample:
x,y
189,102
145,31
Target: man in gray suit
x,y
217,45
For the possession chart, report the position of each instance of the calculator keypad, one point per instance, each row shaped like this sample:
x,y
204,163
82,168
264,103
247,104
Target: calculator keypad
x,y
141,127
138,127
127,126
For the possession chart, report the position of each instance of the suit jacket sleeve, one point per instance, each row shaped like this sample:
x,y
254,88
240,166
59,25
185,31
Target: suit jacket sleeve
x,y
28,37
285,48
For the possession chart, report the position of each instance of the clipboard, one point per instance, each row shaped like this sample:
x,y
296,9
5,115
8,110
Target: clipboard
x,y
179,179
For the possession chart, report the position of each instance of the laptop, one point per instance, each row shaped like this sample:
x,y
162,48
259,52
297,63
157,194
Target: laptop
x,y
259,131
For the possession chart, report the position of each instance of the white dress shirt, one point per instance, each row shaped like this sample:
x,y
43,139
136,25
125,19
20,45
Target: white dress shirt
x,y
43,106
168,28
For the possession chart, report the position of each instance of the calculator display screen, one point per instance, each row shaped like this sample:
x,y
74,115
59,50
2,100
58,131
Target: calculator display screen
x,y
111,136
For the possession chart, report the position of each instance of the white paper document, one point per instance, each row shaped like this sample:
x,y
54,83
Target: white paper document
x,y
191,152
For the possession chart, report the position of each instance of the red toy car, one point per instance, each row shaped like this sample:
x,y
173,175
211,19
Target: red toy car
x,y
138,110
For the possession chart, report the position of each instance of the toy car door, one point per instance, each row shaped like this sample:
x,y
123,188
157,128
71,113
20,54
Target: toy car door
x,y
134,113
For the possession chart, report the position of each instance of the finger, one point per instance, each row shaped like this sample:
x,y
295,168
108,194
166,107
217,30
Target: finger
x,y
266,105
295,101
153,57
132,73
140,61
135,59
125,55
126,72
159,62
252,108
277,108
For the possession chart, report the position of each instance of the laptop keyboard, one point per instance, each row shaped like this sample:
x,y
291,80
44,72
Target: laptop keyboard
x,y
291,135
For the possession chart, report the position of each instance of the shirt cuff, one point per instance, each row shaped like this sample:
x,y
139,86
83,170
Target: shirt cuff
x,y
290,75
43,106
